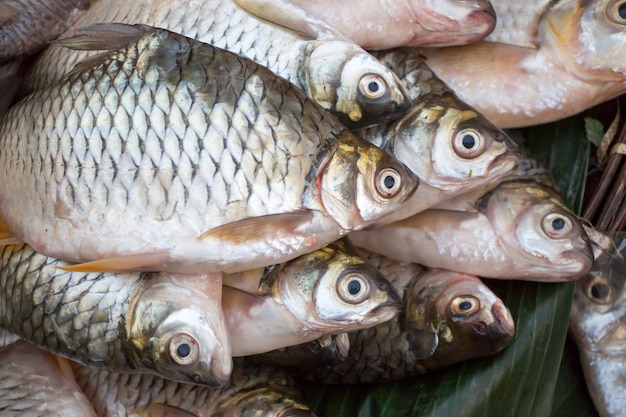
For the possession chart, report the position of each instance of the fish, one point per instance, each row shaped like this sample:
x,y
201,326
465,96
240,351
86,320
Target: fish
x,y
329,291
26,25
446,318
36,383
166,324
6,337
449,145
340,75
518,230
544,61
378,24
168,154
253,391
598,324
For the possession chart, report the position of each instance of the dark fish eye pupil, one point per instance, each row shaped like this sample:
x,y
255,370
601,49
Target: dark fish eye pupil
x,y
354,287
389,181
599,291
465,305
373,86
558,224
183,350
622,10
469,141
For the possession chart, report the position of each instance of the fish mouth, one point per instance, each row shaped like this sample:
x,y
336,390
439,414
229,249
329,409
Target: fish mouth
x,y
580,263
504,163
505,324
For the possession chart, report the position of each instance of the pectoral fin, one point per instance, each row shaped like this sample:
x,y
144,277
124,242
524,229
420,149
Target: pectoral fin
x,y
161,410
6,12
141,262
6,237
422,343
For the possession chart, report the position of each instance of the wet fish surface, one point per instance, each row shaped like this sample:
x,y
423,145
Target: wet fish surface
x,y
171,154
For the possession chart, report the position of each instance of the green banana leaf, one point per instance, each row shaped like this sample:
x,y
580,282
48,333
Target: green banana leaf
x,y
522,379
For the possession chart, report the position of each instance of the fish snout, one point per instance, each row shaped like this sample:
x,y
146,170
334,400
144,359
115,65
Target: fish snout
x,y
503,322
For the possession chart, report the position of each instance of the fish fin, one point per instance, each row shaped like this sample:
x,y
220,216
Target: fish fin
x,y
257,228
6,236
141,262
160,410
423,343
6,12
102,36
289,16
10,80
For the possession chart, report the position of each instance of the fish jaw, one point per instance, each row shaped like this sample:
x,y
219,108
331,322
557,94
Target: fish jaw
x,y
345,79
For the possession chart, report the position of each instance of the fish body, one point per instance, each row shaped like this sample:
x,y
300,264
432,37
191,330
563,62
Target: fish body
x,y
598,326
36,383
446,318
328,291
380,24
339,75
170,154
251,392
26,25
564,59
166,324
518,230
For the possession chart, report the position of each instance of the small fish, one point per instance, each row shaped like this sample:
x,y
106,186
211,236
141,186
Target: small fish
x,y
36,383
328,291
450,146
544,61
598,325
446,318
518,230
339,75
26,25
252,392
169,154
166,324
378,24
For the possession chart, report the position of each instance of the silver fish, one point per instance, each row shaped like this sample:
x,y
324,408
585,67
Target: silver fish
x,y
518,230
167,324
598,325
545,60
339,75
36,383
170,154
380,24
251,392
329,291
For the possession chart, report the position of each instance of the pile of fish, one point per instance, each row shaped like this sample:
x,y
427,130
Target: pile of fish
x,y
202,202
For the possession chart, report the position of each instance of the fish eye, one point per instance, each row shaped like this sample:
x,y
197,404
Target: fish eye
x,y
468,143
388,182
616,12
464,305
599,290
353,288
557,225
183,349
372,86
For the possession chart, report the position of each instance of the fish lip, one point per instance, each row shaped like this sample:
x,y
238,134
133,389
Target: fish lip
x,y
501,161
505,324
583,258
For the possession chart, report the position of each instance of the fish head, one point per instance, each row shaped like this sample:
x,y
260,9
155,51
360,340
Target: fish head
x,y
180,332
360,183
450,146
350,82
544,239
588,36
335,290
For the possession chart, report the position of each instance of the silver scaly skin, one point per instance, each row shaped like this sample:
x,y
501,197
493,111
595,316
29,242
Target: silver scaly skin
x,y
446,318
170,154
339,75
136,322
36,383
251,392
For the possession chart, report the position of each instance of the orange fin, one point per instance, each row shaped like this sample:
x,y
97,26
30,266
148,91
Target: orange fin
x,y
260,228
142,262
6,237
161,410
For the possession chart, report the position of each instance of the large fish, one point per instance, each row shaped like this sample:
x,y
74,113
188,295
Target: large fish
x,y
518,230
339,75
450,146
544,61
446,318
171,154
380,24
329,291
252,392
165,324
36,383
598,325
